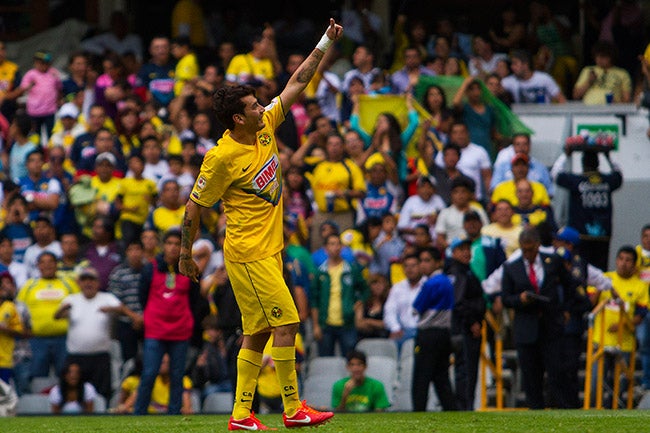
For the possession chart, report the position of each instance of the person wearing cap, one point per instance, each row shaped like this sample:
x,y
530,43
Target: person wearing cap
x,y
43,194
506,190
537,170
42,84
449,224
42,295
591,202
107,187
467,316
70,128
88,342
540,289
422,208
565,242
382,195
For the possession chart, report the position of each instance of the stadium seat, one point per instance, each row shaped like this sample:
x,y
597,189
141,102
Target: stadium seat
x,y
384,369
195,398
321,375
378,346
40,385
33,404
402,400
116,364
218,402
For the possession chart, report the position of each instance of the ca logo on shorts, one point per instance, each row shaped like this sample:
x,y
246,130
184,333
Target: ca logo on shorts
x,y
276,312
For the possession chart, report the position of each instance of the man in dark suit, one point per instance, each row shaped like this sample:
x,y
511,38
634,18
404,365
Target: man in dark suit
x,y
539,288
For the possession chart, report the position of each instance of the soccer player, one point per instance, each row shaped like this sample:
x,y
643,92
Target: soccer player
x,y
244,172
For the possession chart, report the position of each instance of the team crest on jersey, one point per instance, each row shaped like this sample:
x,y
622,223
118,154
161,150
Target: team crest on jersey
x,y
276,312
200,183
266,183
264,139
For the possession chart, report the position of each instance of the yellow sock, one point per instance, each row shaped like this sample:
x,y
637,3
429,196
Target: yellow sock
x,y
249,363
285,368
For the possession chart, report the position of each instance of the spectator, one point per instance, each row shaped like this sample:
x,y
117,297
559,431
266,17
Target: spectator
x,y
537,171
187,67
111,87
72,395
20,130
358,392
156,76
336,182
603,83
155,166
485,60
84,144
124,283
45,240
434,305
467,317
8,83
169,213
479,117
336,289
42,296
406,78
89,329
449,224
11,326
42,193
257,66
75,84
363,60
445,174
160,392
102,252
628,295
527,213
71,262
117,40
565,242
22,353
474,160
643,330
422,208
369,315
503,228
136,196
538,321
42,84
16,229
590,205
398,309
16,269
71,127
529,86
166,296
388,246
211,371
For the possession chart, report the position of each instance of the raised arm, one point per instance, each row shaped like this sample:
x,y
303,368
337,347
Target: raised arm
x,y
303,75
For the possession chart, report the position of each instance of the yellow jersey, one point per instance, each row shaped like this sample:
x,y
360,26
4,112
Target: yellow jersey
x,y
187,69
331,176
10,319
163,219
248,179
506,190
8,71
159,393
137,195
42,298
643,264
244,67
634,293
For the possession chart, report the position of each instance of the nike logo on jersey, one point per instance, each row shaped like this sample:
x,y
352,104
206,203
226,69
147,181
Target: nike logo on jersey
x,y
246,168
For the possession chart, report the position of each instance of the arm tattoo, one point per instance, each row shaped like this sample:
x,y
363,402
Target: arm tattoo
x,y
308,68
186,230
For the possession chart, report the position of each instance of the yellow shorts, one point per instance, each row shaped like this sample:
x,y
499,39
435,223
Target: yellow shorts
x,y
262,294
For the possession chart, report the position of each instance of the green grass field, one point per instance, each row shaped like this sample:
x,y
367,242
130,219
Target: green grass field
x,y
432,422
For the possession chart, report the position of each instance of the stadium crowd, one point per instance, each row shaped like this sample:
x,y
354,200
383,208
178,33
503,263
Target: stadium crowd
x,y
410,224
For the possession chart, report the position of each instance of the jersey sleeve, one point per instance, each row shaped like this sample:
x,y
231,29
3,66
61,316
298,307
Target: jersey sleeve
x,y
274,113
213,180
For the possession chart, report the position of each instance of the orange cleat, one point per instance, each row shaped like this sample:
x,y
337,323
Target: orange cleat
x,y
306,416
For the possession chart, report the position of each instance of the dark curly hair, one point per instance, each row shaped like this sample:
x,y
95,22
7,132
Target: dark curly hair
x,y
227,102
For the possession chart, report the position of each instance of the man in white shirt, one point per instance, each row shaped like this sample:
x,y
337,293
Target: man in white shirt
x,y
89,330
45,237
399,317
474,160
529,86
363,60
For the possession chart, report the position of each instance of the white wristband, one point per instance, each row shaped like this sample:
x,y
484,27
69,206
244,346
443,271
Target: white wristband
x,y
324,43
